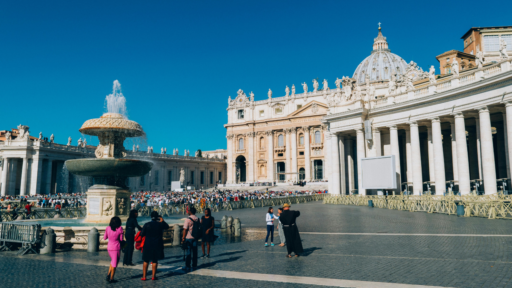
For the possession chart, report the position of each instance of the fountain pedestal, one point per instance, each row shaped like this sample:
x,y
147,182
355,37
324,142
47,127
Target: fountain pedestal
x,y
105,202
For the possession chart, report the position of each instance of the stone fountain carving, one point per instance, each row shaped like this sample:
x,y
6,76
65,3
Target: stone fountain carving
x,y
110,168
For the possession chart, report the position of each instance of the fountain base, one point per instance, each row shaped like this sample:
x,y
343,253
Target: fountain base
x,y
105,202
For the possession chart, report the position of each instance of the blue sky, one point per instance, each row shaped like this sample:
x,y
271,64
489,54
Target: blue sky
x,y
178,61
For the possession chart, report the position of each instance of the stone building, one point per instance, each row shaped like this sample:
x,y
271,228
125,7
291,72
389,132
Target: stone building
x,y
31,166
447,132
486,39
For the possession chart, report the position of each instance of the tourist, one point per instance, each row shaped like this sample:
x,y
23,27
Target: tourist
x,y
207,225
153,249
114,234
131,224
280,227
291,232
189,240
270,227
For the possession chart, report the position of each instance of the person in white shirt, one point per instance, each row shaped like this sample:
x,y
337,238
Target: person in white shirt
x,y
270,227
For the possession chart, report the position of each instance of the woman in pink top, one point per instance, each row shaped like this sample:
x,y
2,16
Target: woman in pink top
x,y
114,234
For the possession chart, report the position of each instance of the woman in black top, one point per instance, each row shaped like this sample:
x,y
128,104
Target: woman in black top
x,y
131,224
153,249
207,225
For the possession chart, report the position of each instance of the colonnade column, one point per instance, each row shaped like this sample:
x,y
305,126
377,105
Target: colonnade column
x,y
462,154
360,155
250,172
288,133
307,157
508,120
24,168
505,129
334,182
294,154
408,155
230,159
488,165
417,177
49,177
270,149
479,149
350,164
455,170
341,159
431,165
327,161
376,142
437,143
395,150
4,176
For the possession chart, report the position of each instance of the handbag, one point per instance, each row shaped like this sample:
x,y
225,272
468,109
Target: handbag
x,y
123,244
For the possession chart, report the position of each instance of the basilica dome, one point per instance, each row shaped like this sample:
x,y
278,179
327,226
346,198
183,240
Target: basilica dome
x,y
381,64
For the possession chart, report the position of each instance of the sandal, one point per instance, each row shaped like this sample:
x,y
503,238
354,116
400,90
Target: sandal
x,y
289,256
296,255
143,279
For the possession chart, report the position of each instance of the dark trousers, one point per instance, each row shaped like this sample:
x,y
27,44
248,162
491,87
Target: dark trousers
x,y
191,254
128,250
270,231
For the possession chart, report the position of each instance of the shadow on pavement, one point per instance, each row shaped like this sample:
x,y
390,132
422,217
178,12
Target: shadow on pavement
x,y
310,250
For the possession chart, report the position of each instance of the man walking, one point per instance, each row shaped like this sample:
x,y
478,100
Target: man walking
x,y
291,232
189,239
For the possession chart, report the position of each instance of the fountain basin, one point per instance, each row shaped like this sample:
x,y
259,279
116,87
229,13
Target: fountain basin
x,y
109,167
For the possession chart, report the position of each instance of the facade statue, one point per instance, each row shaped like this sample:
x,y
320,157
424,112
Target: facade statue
x,y
326,85
269,93
347,87
480,59
51,138
293,90
84,144
80,142
315,85
121,206
432,74
455,67
392,85
162,150
287,91
69,141
503,49
182,175
305,87
252,96
238,175
8,135
338,83
133,148
138,147
107,208
40,135
408,83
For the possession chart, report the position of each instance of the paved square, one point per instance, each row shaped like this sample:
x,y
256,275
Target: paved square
x,y
345,246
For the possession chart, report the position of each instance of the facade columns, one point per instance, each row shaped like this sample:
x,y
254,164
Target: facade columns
x,y
360,155
295,177
479,149
508,122
505,130
4,176
341,159
395,150
417,178
334,153
437,143
230,159
376,142
288,133
250,172
270,149
24,168
350,164
431,165
488,165
327,160
454,152
307,155
462,154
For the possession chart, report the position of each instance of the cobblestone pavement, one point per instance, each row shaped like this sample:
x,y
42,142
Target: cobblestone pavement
x,y
385,252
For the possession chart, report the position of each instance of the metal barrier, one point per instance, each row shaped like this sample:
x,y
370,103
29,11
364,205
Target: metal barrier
x,y
27,235
43,213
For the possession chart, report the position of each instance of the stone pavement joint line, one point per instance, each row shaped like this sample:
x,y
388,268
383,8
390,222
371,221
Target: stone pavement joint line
x,y
396,234
302,280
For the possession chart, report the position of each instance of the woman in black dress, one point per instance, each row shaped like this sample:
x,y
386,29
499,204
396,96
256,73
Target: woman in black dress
x,y
131,224
153,249
207,226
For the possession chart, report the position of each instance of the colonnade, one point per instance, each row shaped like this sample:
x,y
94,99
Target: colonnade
x,y
455,141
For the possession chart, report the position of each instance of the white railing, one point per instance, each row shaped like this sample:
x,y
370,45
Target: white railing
x,y
444,85
492,70
467,78
421,92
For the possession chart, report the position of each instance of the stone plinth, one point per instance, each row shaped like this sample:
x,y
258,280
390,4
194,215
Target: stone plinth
x,y
105,202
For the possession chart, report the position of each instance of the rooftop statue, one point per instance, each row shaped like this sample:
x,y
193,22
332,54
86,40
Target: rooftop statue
x,y
269,93
480,59
69,141
40,135
455,67
432,74
293,90
287,91
51,138
80,142
408,83
315,85
503,49
305,87
338,82
252,96
326,85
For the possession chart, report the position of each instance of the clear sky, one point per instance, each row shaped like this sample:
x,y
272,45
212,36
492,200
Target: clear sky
x,y
178,61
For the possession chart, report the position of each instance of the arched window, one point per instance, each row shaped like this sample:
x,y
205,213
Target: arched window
x,y
318,140
280,140
241,144
262,143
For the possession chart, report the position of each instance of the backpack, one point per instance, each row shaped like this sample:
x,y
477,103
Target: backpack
x,y
196,229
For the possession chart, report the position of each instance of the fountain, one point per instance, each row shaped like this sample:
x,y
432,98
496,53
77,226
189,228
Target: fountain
x,y
109,195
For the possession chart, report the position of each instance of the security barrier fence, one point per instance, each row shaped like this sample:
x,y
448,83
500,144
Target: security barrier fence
x,y
166,210
27,235
497,206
